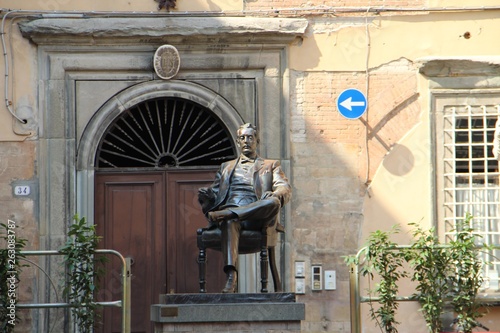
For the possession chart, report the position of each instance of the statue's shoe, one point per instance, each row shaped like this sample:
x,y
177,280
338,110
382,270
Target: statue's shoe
x,y
231,283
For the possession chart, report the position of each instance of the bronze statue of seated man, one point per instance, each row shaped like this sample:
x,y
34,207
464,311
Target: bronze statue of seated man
x,y
247,194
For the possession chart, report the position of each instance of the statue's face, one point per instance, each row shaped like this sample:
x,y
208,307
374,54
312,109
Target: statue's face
x,y
247,142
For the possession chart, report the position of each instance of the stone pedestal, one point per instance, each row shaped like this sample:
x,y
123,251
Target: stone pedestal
x,y
256,313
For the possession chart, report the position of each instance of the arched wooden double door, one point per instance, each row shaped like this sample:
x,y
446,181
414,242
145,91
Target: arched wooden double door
x,y
150,164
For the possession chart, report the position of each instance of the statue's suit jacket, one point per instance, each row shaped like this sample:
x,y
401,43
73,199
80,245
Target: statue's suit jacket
x,y
268,177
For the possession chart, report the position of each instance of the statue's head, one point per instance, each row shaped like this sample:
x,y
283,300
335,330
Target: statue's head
x,y
248,139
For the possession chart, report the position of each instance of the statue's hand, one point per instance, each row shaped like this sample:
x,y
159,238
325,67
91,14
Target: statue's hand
x,y
266,195
206,198
204,194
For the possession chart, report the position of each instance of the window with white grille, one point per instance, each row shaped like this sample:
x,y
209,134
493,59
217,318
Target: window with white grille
x,y
467,172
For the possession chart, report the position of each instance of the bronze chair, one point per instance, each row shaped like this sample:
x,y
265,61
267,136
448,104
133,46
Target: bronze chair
x,y
250,242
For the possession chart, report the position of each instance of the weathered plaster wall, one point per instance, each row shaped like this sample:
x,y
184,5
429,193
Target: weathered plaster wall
x,y
331,172
17,161
121,5
340,44
351,179
459,3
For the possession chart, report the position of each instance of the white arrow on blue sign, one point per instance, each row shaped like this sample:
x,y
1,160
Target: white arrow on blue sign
x,y
351,103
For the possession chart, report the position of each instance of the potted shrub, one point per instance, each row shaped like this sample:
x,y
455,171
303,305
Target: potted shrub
x,y
381,258
467,278
83,272
446,275
431,269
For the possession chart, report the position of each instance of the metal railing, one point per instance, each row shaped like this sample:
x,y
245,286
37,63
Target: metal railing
x,y
124,303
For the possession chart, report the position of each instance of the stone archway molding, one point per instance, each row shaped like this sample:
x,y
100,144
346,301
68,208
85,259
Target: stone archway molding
x,y
136,94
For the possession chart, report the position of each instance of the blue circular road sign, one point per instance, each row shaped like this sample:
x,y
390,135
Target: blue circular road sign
x,y
351,103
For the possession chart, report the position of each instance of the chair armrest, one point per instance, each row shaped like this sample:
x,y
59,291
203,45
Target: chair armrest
x,y
200,231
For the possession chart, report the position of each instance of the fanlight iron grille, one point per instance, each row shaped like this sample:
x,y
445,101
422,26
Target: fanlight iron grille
x,y
165,133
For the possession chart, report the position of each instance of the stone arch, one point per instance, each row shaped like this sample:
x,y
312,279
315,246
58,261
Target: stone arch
x,y
134,95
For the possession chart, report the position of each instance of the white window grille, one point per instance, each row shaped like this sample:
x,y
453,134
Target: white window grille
x,y
468,177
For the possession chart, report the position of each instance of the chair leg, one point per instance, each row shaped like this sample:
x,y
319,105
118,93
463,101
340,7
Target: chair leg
x,y
274,270
202,264
264,262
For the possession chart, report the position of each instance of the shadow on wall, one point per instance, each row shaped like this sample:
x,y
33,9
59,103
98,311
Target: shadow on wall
x,y
400,161
330,152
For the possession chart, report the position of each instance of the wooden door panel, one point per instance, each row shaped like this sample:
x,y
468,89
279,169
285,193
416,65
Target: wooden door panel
x,y
184,218
152,217
129,216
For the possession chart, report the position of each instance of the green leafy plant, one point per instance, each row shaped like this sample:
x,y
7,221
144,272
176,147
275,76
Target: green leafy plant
x,y
382,259
467,278
10,269
446,275
83,271
431,269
